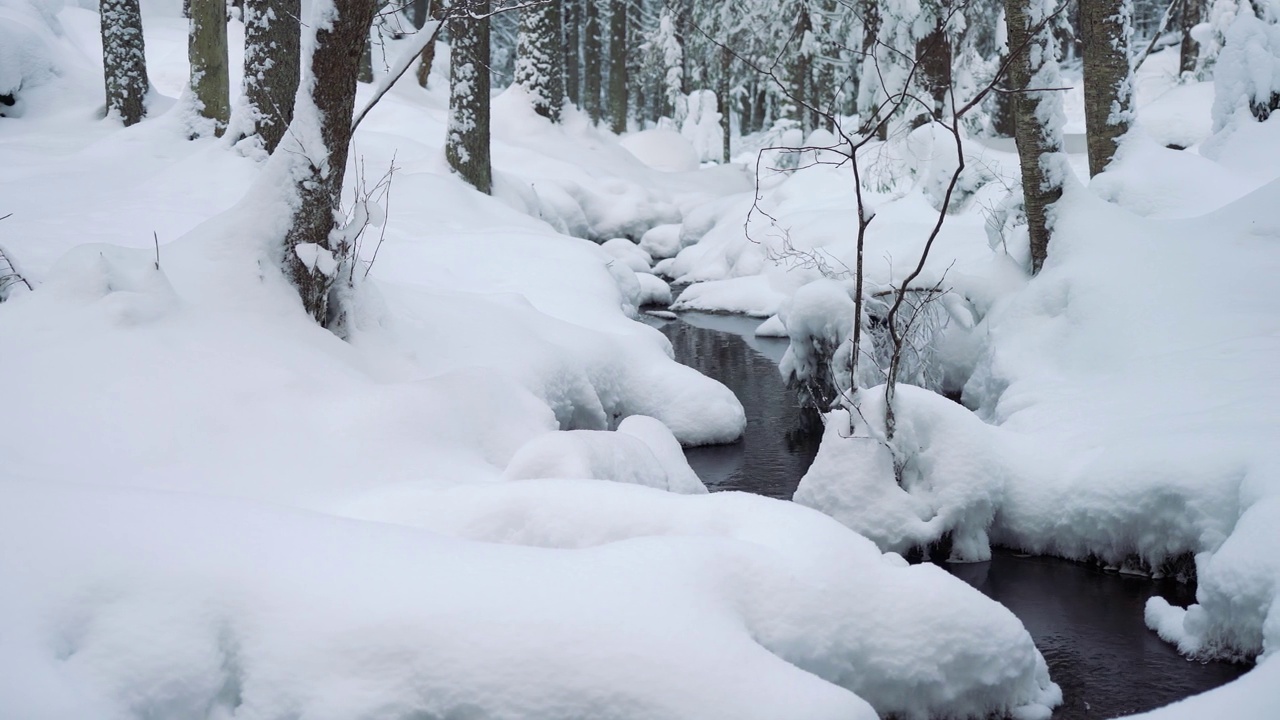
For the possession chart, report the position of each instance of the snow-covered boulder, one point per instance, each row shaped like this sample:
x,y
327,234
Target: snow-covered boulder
x,y
627,253
661,241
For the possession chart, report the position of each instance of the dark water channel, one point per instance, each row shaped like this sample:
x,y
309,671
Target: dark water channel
x,y
1088,623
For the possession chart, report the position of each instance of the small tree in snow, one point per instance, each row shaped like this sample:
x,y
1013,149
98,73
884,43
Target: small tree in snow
x,y
124,60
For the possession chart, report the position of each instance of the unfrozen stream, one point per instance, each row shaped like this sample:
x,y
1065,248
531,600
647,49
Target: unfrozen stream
x,y
1088,623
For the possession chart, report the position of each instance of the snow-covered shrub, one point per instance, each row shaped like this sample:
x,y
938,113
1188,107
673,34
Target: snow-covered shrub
x,y
701,125
1247,75
953,474
30,35
819,320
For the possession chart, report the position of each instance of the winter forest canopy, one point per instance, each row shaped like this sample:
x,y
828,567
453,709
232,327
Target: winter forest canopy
x,y
345,375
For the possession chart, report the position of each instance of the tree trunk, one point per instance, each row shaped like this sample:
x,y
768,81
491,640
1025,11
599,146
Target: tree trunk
x,y
1105,27
124,60
572,16
1189,53
759,109
1039,139
722,99
419,13
539,58
366,58
428,56
467,141
271,67
801,73
592,61
323,125
207,53
618,67
933,63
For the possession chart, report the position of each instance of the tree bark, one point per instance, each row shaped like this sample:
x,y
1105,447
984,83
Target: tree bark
x,y
207,54
722,99
592,61
428,56
467,143
933,67
802,72
328,101
1191,13
572,12
124,60
272,58
540,57
1039,139
618,67
1105,27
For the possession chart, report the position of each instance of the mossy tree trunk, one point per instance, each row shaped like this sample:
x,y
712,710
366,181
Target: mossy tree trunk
x,y
207,53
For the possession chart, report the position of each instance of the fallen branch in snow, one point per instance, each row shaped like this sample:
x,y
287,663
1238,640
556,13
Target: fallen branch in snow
x,y
10,277
156,237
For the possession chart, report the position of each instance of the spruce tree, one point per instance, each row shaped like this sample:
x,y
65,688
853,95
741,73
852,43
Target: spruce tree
x,y
592,60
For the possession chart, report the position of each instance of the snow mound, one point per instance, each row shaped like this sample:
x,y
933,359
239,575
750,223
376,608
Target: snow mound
x,y
653,290
664,150
628,254
642,452
751,295
661,241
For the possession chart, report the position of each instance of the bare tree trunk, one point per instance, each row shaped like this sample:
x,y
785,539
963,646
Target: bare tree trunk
x,y
1189,53
366,59
1040,144
802,73
592,61
335,62
618,67
207,53
124,60
272,59
428,56
722,98
572,16
539,58
467,142
1105,27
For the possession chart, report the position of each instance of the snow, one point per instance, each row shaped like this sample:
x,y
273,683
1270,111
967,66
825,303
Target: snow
x,y
477,504
665,150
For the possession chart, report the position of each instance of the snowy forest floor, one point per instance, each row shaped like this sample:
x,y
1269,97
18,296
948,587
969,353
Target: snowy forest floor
x,y
213,508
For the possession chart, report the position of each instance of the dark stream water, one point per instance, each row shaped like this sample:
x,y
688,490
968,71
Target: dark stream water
x,y
1088,623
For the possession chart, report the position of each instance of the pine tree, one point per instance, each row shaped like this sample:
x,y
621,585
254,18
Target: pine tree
x,y
1037,116
124,60
1191,12
207,53
467,142
618,66
539,65
318,147
1105,30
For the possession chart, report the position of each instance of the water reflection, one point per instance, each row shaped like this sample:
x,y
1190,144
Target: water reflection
x,y
1087,623
781,438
